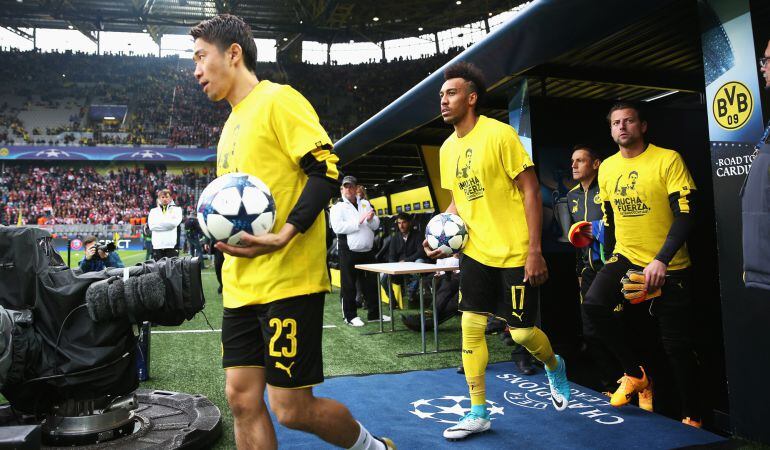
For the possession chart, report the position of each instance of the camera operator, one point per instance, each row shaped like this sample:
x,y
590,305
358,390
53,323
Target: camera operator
x,y
99,256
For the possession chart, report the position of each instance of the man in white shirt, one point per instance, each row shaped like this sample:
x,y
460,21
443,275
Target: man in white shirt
x,y
354,221
163,221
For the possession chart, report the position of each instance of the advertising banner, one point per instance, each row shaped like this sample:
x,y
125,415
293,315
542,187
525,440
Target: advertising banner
x,y
60,244
735,126
76,153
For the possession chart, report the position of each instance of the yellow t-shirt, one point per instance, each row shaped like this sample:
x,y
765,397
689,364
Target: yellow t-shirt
x,y
638,189
479,169
266,135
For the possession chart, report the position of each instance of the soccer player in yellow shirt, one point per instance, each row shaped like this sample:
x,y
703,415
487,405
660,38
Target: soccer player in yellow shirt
x,y
648,199
495,191
274,287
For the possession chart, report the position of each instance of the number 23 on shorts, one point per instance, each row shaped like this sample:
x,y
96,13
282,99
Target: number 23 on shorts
x,y
289,326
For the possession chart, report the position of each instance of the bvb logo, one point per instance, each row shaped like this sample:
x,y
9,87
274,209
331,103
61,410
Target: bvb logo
x,y
732,105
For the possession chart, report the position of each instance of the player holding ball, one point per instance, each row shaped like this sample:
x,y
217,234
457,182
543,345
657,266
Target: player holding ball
x,y
274,284
496,193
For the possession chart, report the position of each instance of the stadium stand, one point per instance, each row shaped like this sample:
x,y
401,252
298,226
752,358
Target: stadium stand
x,y
154,101
165,106
56,194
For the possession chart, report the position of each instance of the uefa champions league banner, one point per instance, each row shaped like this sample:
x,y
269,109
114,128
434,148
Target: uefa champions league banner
x,y
76,245
75,153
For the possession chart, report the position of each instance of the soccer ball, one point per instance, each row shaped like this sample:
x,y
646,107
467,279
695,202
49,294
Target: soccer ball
x,y
446,232
234,204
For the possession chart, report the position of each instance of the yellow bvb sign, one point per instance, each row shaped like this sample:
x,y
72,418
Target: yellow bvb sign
x,y
732,105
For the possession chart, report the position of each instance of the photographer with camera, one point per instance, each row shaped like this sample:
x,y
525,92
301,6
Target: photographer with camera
x,y
99,256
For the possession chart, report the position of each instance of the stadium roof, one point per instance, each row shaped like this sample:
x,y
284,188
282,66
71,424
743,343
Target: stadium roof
x,y
330,21
643,49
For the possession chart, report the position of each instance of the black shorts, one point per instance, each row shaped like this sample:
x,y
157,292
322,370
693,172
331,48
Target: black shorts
x,y
498,291
290,329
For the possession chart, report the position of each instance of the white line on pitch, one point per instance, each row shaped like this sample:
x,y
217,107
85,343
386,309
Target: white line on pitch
x,y
205,331
184,331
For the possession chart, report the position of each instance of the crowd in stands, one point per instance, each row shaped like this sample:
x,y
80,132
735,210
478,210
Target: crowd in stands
x,y
166,107
54,194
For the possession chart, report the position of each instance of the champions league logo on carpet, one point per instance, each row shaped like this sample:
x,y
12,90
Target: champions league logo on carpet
x,y
526,400
53,153
534,395
450,409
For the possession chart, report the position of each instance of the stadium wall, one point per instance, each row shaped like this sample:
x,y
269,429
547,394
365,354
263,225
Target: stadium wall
x,y
410,201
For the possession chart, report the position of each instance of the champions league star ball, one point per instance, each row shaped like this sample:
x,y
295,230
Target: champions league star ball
x,y
234,204
446,232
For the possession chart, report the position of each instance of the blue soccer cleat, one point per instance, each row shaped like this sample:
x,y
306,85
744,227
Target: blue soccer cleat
x,y
560,390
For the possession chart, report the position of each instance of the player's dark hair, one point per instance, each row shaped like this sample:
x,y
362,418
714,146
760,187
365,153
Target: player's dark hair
x,y
404,216
223,31
627,105
591,152
472,75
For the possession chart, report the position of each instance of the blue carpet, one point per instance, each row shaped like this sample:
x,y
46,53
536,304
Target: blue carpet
x,y
414,408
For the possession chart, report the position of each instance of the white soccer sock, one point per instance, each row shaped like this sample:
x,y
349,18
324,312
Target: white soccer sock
x,y
366,441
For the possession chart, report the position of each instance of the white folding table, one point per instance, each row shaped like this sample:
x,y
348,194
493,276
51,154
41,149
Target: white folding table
x,y
410,268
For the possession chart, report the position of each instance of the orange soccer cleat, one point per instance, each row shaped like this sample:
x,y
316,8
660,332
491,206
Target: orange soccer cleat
x,y
692,422
645,398
629,386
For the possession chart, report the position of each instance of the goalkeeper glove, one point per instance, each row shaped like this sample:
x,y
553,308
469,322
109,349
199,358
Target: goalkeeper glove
x,y
577,236
634,288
